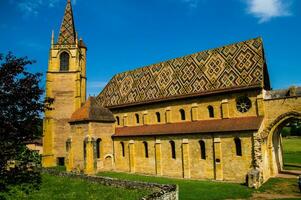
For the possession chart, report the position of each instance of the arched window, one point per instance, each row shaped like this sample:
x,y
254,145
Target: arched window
x,y
158,117
182,113
145,149
137,118
118,120
98,147
211,111
203,149
64,61
122,148
68,145
238,146
85,149
173,149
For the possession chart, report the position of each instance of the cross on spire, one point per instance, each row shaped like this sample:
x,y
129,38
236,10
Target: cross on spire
x,y
67,34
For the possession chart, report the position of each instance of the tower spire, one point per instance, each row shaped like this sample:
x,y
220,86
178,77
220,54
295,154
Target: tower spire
x,y
67,34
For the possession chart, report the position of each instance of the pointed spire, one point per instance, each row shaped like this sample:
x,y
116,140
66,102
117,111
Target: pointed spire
x,y
67,33
52,38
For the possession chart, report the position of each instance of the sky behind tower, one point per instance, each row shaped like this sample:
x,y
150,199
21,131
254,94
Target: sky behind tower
x,y
126,34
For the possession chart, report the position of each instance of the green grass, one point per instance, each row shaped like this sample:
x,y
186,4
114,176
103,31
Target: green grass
x,y
192,189
292,153
55,187
198,189
280,186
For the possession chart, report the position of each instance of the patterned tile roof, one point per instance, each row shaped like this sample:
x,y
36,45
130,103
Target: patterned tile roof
x,y
196,127
67,33
235,66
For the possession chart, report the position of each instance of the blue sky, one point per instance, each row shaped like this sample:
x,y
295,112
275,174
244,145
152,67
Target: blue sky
x,y
126,34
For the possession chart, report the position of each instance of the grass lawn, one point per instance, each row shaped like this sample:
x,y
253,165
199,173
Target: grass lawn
x,y
55,187
194,189
292,153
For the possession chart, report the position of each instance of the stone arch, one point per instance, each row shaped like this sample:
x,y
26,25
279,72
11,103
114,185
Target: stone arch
x,y
271,134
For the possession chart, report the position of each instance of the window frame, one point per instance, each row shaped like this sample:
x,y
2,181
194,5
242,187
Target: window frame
x,y
64,61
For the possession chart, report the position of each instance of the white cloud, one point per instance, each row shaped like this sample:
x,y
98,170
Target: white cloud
x,y
95,87
97,84
265,10
32,7
191,3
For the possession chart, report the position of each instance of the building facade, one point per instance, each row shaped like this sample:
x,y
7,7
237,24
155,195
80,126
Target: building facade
x,y
209,115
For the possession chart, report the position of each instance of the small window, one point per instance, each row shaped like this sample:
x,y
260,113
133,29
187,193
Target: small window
x,y
61,161
118,120
145,149
122,149
158,117
64,61
98,147
202,149
211,111
173,149
85,150
137,118
182,113
238,146
68,145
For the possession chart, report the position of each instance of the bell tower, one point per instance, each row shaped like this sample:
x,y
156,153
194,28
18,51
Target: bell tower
x,y
66,84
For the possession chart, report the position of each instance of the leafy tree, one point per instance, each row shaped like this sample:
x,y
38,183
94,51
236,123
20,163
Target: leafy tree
x,y
20,111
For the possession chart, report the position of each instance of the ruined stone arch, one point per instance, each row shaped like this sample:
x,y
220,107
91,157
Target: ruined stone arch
x,y
278,121
271,135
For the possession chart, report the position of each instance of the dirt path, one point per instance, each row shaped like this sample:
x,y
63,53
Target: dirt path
x,y
260,196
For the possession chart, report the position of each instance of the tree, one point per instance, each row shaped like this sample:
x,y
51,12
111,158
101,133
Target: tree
x,y
20,110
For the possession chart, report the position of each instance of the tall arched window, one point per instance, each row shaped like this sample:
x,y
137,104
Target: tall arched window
x,y
173,149
122,148
211,111
203,149
64,61
137,118
145,149
98,147
158,117
238,146
118,120
182,113
85,149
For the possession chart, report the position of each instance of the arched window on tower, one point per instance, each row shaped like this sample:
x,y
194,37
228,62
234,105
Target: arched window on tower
x,y
64,61
173,149
98,147
137,118
122,148
211,111
238,146
158,117
145,149
118,120
182,113
203,149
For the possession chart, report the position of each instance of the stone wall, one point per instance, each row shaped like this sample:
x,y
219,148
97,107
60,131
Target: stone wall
x,y
195,109
187,162
160,191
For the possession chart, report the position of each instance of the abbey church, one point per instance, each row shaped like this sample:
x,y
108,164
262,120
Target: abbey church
x,y
208,115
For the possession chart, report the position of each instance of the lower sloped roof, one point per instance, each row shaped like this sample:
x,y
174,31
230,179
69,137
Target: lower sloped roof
x,y
202,126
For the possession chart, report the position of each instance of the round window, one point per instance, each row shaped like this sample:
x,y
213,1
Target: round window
x,y
243,104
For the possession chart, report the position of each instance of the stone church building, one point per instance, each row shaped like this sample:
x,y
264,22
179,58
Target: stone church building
x,y
208,115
